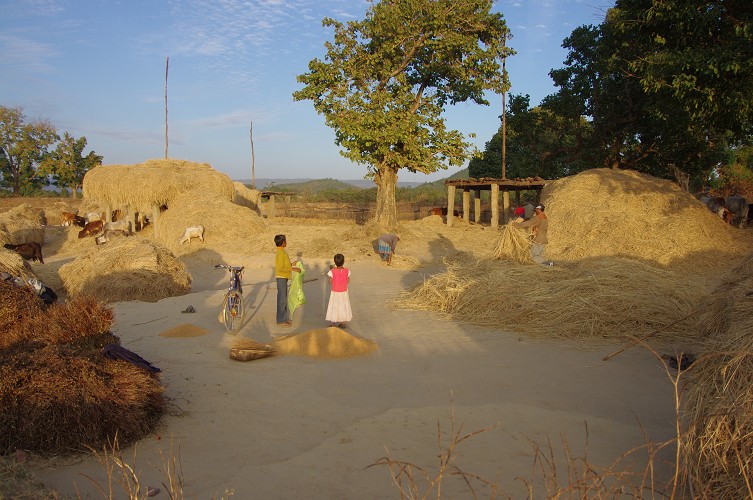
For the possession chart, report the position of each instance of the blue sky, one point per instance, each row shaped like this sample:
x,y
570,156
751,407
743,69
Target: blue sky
x,y
96,68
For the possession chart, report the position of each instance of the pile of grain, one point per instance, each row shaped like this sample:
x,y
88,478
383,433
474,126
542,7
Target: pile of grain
x,y
608,298
329,342
622,213
718,412
129,268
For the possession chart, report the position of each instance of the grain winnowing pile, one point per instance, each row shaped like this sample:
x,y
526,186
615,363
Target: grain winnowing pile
x,y
329,342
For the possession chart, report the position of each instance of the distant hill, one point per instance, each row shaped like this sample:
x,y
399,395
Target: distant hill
x,y
314,185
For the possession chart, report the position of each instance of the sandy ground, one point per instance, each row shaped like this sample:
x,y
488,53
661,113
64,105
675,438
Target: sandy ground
x,y
296,426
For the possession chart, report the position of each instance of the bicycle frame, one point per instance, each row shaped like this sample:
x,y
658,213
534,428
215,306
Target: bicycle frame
x,y
232,305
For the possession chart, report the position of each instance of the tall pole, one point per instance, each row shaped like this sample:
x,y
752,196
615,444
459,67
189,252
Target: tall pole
x,y
504,116
167,65
253,174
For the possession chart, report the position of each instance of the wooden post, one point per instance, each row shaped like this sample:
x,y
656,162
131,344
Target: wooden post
x,y
466,206
167,65
253,171
495,206
477,206
271,207
505,206
450,204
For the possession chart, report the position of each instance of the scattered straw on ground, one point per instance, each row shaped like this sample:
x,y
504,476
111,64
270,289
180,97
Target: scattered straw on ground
x,y
184,331
719,400
130,268
595,299
329,342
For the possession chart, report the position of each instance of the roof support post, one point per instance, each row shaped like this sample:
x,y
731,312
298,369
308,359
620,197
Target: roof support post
x,y
495,206
450,204
466,205
476,206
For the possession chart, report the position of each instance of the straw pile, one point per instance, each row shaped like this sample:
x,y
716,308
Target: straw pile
x,y
514,244
153,183
719,400
329,342
227,226
130,268
245,197
58,394
22,224
607,212
11,262
609,299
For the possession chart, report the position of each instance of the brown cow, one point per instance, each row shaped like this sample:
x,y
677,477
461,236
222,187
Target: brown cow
x,y
68,218
442,211
29,251
91,228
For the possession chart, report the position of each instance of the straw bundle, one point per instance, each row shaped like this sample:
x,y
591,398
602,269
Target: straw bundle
x,y
613,299
329,342
514,244
11,262
22,224
608,212
718,444
126,269
153,183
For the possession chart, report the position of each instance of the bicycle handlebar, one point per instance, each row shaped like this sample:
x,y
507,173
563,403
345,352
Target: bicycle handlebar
x,y
229,268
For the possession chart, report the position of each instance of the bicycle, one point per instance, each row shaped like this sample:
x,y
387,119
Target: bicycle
x,y
232,304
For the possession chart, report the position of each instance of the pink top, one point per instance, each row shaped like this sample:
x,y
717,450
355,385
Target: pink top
x,y
339,277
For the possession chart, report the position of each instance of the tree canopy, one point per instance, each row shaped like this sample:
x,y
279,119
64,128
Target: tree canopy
x,y
386,80
27,162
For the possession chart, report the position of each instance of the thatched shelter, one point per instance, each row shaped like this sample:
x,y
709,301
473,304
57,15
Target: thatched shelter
x,y
150,187
127,268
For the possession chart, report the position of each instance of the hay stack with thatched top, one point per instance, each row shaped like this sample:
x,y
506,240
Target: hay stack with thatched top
x,y
131,268
607,212
153,183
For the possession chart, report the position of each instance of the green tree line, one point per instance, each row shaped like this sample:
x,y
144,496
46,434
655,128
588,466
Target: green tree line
x,y
33,156
662,87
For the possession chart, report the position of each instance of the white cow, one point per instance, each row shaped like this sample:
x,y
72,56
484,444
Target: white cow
x,y
121,225
192,232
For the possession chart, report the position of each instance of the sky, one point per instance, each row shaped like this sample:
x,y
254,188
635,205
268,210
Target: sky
x,y
96,68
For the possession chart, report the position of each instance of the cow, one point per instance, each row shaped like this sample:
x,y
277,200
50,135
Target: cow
x,y
121,225
109,234
91,229
738,207
714,203
442,211
68,218
192,232
29,251
93,216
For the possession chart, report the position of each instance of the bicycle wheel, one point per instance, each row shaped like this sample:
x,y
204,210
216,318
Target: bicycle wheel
x,y
232,313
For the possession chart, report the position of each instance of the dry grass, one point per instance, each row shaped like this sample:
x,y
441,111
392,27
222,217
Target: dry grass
x,y
514,244
132,268
22,224
719,409
597,299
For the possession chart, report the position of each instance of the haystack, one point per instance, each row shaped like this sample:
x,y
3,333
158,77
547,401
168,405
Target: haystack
x,y
11,262
245,197
153,183
227,226
718,413
607,212
58,394
22,224
129,268
607,299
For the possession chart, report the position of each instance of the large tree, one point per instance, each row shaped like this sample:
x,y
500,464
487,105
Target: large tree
x,y
67,165
23,146
387,79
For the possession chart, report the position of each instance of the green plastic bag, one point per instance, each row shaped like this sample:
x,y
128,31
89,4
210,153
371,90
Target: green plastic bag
x,y
295,294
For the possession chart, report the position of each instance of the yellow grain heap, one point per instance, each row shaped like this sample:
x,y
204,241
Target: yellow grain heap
x,y
127,268
329,342
718,412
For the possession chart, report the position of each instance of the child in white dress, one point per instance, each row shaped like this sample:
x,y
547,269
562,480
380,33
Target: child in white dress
x,y
338,309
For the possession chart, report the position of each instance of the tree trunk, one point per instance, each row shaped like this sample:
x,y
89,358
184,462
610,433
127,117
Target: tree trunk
x,y
386,209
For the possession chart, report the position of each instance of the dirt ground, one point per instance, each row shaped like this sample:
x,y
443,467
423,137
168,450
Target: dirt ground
x,y
305,426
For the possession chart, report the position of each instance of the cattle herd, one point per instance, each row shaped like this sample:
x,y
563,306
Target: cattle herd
x,y
733,209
